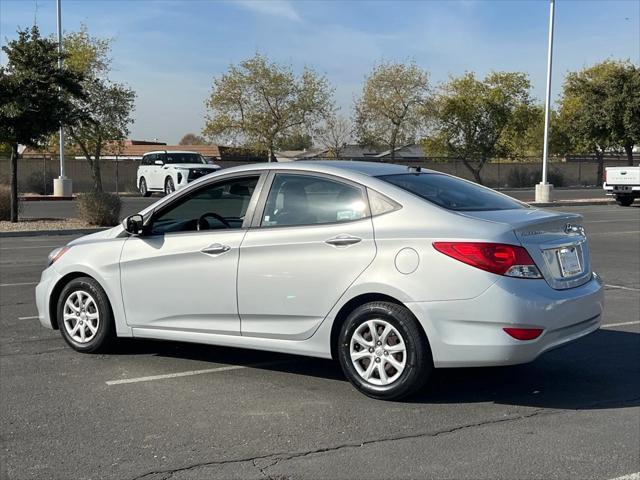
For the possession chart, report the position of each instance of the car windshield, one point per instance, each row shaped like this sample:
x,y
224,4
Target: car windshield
x,y
452,193
184,158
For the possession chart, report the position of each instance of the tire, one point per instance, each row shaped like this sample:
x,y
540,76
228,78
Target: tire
x,y
414,361
144,191
83,301
624,200
169,187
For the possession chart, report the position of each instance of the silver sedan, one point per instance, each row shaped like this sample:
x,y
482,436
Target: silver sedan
x,y
391,270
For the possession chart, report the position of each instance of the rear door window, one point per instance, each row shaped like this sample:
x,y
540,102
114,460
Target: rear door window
x,y
311,200
452,193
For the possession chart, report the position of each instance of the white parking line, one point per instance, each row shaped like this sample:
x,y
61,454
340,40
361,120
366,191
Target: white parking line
x,y
622,288
631,476
190,373
613,233
28,318
17,284
609,325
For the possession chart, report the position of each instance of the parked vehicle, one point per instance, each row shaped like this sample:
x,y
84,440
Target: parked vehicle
x,y
388,269
167,171
623,183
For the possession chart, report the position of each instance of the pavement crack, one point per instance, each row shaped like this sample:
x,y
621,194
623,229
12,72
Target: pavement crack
x,y
278,457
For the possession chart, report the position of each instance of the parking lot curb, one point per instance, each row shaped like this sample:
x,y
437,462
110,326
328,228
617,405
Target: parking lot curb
x,y
46,233
573,203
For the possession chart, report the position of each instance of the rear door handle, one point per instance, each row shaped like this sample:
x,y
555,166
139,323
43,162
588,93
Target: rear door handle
x,y
343,240
216,249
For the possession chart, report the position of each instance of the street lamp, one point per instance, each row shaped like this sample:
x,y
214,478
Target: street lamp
x,y
62,185
544,190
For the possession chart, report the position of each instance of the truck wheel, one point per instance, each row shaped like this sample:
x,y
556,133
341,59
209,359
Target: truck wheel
x,y
624,200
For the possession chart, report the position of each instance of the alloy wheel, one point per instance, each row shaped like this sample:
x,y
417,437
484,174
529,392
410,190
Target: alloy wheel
x,y
81,316
378,352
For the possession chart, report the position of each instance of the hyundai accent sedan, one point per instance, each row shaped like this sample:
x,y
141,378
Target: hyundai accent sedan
x,y
391,270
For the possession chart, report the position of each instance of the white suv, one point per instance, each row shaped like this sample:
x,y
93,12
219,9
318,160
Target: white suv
x,y
167,171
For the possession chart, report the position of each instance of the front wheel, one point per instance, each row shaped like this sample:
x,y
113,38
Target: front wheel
x,y
624,200
169,187
383,351
84,316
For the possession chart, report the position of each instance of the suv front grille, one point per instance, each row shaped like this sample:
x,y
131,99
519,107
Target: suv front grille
x,y
197,173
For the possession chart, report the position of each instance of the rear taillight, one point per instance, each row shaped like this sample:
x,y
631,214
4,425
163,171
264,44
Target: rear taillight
x,y
523,333
499,258
605,175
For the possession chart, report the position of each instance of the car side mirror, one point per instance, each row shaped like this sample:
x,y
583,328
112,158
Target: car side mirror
x,y
133,224
159,162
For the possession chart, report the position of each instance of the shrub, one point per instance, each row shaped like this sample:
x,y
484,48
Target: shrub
x,y
519,177
102,209
5,203
522,177
40,184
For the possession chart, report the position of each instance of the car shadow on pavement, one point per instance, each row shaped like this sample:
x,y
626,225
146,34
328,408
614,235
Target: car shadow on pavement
x,y
601,370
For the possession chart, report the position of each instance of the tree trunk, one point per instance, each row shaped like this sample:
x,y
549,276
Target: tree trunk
x,y
14,182
474,171
600,172
95,172
629,151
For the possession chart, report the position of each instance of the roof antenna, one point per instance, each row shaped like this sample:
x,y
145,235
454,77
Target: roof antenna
x,y
416,168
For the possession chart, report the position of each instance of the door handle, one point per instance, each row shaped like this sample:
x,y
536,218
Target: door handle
x,y
216,249
343,240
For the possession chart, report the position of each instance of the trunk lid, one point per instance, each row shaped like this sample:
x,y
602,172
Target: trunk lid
x,y
556,242
623,176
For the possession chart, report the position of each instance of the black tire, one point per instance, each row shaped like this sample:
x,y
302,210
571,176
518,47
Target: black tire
x,y
624,200
105,333
144,191
418,361
169,187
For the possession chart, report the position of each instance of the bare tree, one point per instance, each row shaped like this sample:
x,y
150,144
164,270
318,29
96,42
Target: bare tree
x,y
334,134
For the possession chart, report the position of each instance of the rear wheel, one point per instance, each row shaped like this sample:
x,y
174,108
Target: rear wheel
x,y
84,316
383,352
169,187
624,200
144,191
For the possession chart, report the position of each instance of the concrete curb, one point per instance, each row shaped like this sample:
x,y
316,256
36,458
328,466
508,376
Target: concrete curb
x,y
46,233
574,203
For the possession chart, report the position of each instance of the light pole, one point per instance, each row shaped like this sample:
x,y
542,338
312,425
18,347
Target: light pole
x,y
61,185
544,190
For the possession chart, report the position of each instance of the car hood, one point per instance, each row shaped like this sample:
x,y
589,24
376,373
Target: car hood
x,y
98,236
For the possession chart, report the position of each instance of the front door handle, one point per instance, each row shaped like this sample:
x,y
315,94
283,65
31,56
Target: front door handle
x,y
343,240
216,249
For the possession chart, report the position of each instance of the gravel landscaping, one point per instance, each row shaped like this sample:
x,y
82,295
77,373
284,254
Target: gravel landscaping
x,y
31,224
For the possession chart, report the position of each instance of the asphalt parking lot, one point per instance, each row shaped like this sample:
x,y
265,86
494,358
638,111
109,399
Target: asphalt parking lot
x,y
154,410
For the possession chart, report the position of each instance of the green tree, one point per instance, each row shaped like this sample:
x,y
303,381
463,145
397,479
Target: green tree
x,y
601,109
472,119
334,134
103,116
259,103
35,97
298,140
192,139
389,111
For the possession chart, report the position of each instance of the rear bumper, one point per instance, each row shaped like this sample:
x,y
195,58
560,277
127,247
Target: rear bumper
x,y
622,190
469,333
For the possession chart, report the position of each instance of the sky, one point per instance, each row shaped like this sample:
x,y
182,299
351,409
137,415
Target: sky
x,y
169,52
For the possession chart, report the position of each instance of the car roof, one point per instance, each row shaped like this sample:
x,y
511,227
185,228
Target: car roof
x,y
336,167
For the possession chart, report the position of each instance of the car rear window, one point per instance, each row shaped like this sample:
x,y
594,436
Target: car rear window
x,y
452,193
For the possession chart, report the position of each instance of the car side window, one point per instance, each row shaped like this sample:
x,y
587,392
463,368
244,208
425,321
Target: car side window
x,y
311,200
221,205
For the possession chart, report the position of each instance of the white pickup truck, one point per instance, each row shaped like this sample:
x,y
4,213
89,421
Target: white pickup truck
x,y
623,183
